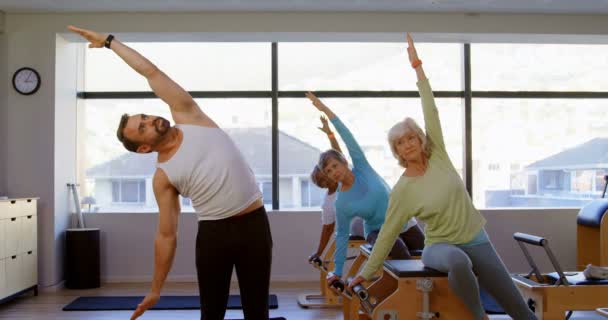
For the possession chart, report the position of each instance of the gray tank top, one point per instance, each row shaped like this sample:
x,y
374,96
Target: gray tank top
x,y
210,170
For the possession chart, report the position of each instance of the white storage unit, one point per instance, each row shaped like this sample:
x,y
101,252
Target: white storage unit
x,y
18,247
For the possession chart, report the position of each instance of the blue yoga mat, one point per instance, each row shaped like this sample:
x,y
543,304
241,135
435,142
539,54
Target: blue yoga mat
x,y
165,303
489,304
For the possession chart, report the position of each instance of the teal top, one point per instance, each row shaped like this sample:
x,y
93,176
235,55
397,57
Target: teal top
x,y
367,198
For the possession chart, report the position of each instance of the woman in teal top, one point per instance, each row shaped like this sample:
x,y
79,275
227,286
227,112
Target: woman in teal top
x,y
361,193
431,190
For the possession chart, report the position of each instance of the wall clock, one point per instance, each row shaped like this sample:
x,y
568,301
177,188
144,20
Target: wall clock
x,y
26,81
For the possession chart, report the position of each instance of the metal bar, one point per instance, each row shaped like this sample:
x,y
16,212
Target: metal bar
x,y
354,94
467,122
535,270
275,126
151,95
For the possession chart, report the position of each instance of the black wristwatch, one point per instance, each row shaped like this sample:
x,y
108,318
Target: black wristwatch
x,y
108,41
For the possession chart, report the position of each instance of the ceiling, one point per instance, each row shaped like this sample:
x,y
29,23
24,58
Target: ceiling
x,y
468,6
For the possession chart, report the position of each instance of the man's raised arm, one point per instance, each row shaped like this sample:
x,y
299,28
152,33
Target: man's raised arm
x,y
183,107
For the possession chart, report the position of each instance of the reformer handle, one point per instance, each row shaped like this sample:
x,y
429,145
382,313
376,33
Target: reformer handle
x,y
544,243
361,292
317,261
338,285
530,239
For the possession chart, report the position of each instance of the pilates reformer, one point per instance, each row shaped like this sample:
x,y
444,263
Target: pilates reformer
x,y
592,233
406,289
553,295
350,307
327,298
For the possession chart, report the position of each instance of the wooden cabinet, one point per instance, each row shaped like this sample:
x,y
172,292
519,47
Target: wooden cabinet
x,y
18,247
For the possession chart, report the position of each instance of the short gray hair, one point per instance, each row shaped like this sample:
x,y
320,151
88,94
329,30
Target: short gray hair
x,y
330,154
399,130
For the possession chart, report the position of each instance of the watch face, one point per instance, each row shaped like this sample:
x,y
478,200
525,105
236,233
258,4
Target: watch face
x,y
26,81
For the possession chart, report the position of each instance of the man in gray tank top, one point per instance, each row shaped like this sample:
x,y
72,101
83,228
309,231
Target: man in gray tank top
x,y
198,160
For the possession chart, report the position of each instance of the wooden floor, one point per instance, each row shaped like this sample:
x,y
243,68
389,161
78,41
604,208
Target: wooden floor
x,y
48,304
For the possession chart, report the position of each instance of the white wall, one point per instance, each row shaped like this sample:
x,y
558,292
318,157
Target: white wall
x,y
66,77
4,85
127,242
30,138
37,160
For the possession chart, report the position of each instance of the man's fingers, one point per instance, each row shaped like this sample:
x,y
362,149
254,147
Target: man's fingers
x,y
141,308
74,29
138,312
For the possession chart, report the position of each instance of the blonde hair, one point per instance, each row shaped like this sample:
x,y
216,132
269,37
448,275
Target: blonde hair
x,y
399,130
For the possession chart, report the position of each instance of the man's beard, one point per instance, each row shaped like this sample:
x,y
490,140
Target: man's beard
x,y
161,126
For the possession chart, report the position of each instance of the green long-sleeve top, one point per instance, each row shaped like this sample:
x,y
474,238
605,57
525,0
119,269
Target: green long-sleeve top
x,y
439,197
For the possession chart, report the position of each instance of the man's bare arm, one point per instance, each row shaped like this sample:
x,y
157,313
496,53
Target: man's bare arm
x,y
183,107
166,234
165,241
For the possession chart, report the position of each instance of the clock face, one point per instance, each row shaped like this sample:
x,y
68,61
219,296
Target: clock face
x,y
26,81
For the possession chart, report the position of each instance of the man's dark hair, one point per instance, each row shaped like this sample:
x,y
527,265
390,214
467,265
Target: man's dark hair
x,y
128,144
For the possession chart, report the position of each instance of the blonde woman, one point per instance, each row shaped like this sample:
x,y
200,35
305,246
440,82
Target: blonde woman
x,y
431,190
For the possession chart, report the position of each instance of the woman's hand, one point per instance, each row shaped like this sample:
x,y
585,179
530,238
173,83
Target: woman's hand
x,y
355,281
411,49
325,128
320,105
316,102
331,277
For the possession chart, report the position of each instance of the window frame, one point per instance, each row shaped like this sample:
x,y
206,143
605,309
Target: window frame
x,y
466,94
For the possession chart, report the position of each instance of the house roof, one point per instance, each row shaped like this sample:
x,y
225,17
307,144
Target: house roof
x,y
295,156
590,153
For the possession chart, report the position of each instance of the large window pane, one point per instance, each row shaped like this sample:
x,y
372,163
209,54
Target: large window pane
x,y
539,67
116,177
538,152
195,66
300,142
366,66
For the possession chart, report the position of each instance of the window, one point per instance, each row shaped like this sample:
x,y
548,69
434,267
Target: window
x,y
544,134
366,66
195,66
266,188
538,67
544,137
352,69
128,191
311,195
582,181
552,179
493,166
186,202
537,148
600,181
532,184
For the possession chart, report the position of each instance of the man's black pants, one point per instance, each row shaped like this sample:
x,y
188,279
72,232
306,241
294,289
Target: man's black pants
x,y
242,242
